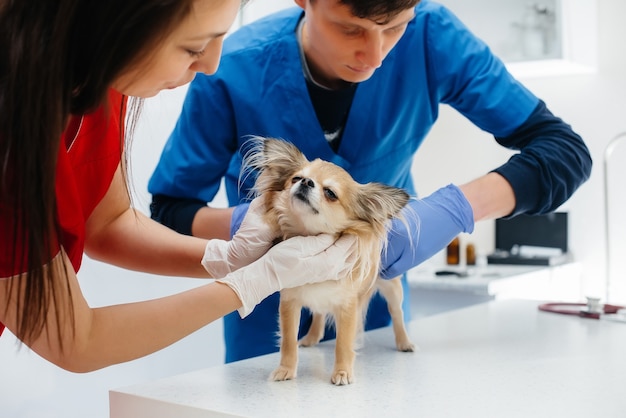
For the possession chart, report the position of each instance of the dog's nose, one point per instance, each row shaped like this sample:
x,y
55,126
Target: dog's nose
x,y
307,182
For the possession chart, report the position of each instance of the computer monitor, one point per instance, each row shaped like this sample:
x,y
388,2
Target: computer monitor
x,y
548,230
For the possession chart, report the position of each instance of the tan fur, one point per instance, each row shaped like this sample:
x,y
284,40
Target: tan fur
x,y
312,197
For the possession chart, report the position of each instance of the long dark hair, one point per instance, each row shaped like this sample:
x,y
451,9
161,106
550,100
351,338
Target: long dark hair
x,y
58,58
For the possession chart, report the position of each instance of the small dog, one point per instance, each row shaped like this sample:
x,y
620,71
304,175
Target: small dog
x,y
312,197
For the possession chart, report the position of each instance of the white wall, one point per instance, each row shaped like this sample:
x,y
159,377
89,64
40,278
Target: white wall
x,y
595,104
512,28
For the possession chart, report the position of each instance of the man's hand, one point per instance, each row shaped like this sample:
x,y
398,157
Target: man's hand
x,y
426,227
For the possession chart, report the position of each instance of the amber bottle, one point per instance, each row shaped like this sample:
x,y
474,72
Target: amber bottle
x,y
470,254
453,254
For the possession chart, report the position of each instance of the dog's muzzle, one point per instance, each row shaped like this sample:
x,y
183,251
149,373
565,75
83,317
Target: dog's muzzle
x,y
304,189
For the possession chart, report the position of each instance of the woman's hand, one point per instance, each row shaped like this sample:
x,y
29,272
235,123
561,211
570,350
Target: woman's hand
x,y
291,263
251,240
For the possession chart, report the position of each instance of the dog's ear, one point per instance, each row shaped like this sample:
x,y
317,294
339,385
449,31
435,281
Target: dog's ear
x,y
275,160
283,156
378,202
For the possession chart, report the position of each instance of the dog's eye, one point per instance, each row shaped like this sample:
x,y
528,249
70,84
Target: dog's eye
x,y
330,195
296,179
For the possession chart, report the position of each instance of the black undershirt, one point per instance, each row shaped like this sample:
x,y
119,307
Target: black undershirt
x,y
332,108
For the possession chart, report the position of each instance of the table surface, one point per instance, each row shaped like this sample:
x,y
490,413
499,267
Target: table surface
x,y
502,358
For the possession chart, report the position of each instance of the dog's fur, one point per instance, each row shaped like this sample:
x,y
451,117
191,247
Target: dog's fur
x,y
309,198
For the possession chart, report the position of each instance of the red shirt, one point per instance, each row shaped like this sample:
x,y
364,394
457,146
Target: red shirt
x,y
89,155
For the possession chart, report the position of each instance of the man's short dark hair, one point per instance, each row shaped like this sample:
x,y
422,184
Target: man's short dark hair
x,y
379,11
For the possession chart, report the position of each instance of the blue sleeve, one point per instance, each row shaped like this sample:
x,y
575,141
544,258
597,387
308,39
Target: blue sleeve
x,y
175,213
195,158
464,73
552,163
553,160
200,148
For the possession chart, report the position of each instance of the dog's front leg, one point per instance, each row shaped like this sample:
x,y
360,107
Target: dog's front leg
x,y
346,318
289,323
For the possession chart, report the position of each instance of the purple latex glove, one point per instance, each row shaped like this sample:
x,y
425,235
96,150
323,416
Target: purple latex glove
x,y
429,225
237,217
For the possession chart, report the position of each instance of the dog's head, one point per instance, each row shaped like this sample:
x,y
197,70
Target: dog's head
x,y
311,197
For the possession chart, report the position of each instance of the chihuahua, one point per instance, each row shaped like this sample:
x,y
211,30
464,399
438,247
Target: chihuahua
x,y
305,197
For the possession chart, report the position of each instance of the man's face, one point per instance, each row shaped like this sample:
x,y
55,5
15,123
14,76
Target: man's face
x,y
340,47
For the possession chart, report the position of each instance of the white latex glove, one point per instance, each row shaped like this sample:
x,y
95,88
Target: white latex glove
x,y
251,241
291,263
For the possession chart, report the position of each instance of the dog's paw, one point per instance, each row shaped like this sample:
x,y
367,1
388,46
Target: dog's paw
x,y
406,346
283,373
309,341
341,377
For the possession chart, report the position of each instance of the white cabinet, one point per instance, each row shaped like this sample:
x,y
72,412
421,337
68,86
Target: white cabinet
x,y
535,37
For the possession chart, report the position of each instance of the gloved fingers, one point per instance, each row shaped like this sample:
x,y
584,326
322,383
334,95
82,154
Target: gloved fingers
x,y
257,206
433,223
302,247
254,228
254,236
348,243
294,262
318,258
343,255
215,258
405,227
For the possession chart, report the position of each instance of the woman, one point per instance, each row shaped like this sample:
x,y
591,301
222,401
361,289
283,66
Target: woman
x,y
66,69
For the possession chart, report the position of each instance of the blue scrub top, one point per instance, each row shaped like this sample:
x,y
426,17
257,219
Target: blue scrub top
x,y
260,89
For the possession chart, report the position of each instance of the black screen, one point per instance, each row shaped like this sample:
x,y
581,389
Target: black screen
x,y
548,230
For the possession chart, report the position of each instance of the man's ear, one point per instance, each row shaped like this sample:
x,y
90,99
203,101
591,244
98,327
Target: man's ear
x,y
301,3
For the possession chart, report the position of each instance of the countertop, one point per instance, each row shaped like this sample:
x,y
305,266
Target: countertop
x,y
520,282
499,359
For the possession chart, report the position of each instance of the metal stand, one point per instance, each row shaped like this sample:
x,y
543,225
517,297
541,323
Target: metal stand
x,y
608,151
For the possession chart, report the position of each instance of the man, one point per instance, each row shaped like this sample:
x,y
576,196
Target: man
x,y
358,83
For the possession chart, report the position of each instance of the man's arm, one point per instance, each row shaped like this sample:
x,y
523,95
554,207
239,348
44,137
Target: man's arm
x,y
193,163
490,196
552,163
191,217
212,223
